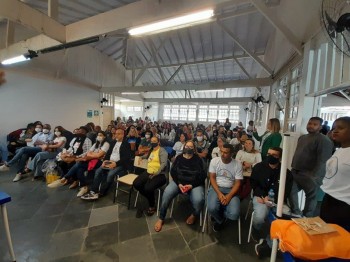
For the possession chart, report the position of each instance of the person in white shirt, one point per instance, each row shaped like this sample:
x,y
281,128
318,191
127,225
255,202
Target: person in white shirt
x,y
217,150
248,157
179,145
335,206
225,177
43,137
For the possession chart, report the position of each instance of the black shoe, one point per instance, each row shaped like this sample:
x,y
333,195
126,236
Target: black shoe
x,y
255,235
262,249
139,213
217,227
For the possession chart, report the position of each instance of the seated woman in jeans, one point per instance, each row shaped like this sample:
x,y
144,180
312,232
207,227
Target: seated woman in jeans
x,y
153,178
188,173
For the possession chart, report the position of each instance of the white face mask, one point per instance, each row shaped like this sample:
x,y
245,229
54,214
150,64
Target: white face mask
x,y
99,138
37,129
45,131
147,136
199,138
57,133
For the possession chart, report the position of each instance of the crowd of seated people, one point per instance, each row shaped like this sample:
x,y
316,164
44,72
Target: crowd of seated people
x,y
224,154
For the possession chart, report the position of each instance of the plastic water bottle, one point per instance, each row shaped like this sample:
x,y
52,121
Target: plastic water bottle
x,y
271,197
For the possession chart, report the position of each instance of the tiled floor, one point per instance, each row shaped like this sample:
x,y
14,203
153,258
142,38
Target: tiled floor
x,y
54,225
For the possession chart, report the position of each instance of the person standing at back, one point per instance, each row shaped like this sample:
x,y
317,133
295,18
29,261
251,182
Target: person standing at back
x,y
308,166
271,137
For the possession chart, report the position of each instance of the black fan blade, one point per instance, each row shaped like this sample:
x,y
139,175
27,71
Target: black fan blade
x,y
343,23
332,25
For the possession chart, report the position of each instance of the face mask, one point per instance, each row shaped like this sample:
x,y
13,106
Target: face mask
x,y
154,145
188,151
37,129
57,133
199,138
272,160
147,136
99,138
45,131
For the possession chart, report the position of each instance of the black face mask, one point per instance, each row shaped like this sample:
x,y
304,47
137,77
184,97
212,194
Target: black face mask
x,y
154,145
272,160
188,151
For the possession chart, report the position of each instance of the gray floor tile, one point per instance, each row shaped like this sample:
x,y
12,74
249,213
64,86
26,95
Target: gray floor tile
x,y
168,224
103,215
100,236
106,253
73,221
183,258
169,244
60,247
74,258
144,247
132,228
213,253
195,238
77,205
47,210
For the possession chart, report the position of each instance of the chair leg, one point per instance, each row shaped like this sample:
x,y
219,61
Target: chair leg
x,y
239,230
158,204
205,219
172,208
116,191
249,206
7,229
137,196
201,218
130,192
250,227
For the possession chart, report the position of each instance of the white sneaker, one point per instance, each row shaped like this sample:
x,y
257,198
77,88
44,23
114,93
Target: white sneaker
x,y
83,190
18,177
56,183
4,168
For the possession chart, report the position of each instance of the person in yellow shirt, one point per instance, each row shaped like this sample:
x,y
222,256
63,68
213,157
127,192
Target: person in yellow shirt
x,y
153,178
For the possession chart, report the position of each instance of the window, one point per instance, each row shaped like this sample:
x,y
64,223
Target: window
x,y
183,112
167,112
130,108
203,113
137,108
212,113
175,112
234,114
192,112
223,113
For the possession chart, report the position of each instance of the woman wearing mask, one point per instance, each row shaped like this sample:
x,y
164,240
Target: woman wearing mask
x,y
153,178
90,161
50,151
145,144
134,140
188,173
271,137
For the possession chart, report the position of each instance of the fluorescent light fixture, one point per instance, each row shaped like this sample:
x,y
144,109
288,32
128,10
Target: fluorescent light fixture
x,y
14,60
125,100
211,90
173,22
130,93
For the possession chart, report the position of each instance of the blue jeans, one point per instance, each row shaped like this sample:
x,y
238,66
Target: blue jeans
x,y
105,177
77,172
219,211
22,156
4,153
172,190
39,159
260,213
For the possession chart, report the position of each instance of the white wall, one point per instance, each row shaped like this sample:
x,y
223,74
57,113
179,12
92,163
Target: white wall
x,y
333,100
25,99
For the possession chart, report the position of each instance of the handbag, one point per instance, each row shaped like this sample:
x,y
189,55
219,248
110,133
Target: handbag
x,y
51,176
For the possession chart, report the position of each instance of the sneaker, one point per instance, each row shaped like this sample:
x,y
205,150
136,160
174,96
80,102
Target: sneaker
x,y
90,196
56,183
75,184
83,190
262,249
18,177
4,168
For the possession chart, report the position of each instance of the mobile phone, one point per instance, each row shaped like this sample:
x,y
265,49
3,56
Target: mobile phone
x,y
108,163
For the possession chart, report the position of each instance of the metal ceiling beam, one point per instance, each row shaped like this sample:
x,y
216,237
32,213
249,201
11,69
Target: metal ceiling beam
x,y
138,13
52,9
242,68
251,54
284,30
10,33
173,75
29,17
345,95
207,86
200,100
205,61
154,55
